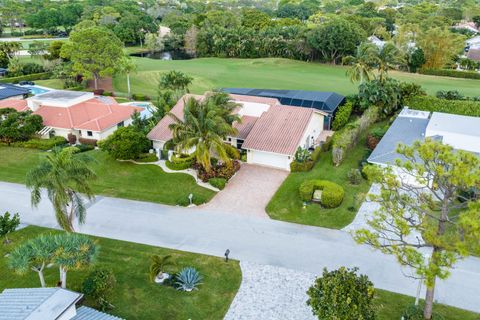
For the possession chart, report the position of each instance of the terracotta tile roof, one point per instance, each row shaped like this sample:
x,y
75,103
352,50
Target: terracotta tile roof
x,y
96,114
474,54
17,104
161,132
279,130
246,125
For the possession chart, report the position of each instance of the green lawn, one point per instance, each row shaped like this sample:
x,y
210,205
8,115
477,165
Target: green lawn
x,y
286,204
135,297
273,73
390,306
115,179
50,83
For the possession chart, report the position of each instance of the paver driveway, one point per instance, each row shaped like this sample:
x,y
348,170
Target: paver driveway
x,y
249,191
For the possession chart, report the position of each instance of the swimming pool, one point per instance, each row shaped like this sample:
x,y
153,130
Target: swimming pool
x,y
148,108
37,89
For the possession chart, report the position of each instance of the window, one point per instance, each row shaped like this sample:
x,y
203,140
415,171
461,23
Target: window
x,y
239,143
121,124
89,133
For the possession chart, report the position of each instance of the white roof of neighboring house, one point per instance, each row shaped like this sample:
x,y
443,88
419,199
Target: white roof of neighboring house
x,y
473,41
454,123
414,125
376,41
36,303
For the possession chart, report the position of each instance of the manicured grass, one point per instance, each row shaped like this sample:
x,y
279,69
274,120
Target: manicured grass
x,y
115,179
391,306
135,297
286,204
272,73
50,83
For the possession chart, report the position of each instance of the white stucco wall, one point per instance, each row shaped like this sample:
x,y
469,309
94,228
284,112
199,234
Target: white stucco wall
x,y
269,159
314,128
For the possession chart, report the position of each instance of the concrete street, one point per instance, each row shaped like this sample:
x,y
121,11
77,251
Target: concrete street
x,y
250,239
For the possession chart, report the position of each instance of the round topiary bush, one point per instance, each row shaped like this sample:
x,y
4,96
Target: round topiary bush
x,y
332,193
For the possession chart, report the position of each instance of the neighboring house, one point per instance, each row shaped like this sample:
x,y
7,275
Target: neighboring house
x,y
470,26
473,42
73,112
46,304
474,54
376,41
10,91
460,132
327,102
269,132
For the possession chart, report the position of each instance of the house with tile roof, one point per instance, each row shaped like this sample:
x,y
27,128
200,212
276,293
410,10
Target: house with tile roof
x,y
269,132
46,303
73,112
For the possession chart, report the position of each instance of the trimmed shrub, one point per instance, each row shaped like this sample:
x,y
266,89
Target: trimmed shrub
x,y
429,103
218,183
29,77
99,286
187,160
147,157
342,294
125,143
220,171
332,193
177,166
42,144
354,176
342,116
296,166
140,97
315,155
91,142
451,73
449,95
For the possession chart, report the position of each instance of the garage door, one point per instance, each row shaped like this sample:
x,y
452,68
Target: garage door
x,y
269,159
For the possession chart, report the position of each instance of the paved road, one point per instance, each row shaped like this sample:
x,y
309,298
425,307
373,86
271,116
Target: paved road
x,y
250,239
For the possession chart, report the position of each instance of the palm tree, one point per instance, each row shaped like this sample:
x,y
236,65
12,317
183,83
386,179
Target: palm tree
x,y
204,127
157,266
127,66
389,57
362,63
33,255
65,176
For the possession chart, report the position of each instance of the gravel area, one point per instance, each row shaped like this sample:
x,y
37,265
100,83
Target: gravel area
x,y
271,293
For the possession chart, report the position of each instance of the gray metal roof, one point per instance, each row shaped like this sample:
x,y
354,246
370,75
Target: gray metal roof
x,y
404,130
86,313
8,90
61,95
35,303
325,101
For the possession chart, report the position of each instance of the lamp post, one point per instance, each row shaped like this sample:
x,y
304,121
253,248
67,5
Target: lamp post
x,y
190,198
227,252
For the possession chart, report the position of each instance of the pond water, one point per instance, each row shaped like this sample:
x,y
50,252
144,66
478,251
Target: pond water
x,y
164,55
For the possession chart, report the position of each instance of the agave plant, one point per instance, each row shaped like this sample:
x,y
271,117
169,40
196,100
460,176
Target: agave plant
x,y
188,279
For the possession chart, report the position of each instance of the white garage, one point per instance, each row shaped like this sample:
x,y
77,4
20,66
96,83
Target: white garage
x,y
269,159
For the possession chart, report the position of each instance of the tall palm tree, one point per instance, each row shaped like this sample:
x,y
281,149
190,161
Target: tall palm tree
x,y
204,127
65,177
127,66
389,57
362,63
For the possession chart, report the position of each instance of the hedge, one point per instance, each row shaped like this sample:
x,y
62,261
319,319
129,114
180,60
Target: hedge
x,y
218,183
332,193
42,144
315,155
429,103
296,166
28,77
342,116
451,73
92,142
177,166
147,157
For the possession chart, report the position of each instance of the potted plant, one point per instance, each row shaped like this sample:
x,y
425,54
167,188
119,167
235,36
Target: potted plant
x,y
157,268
